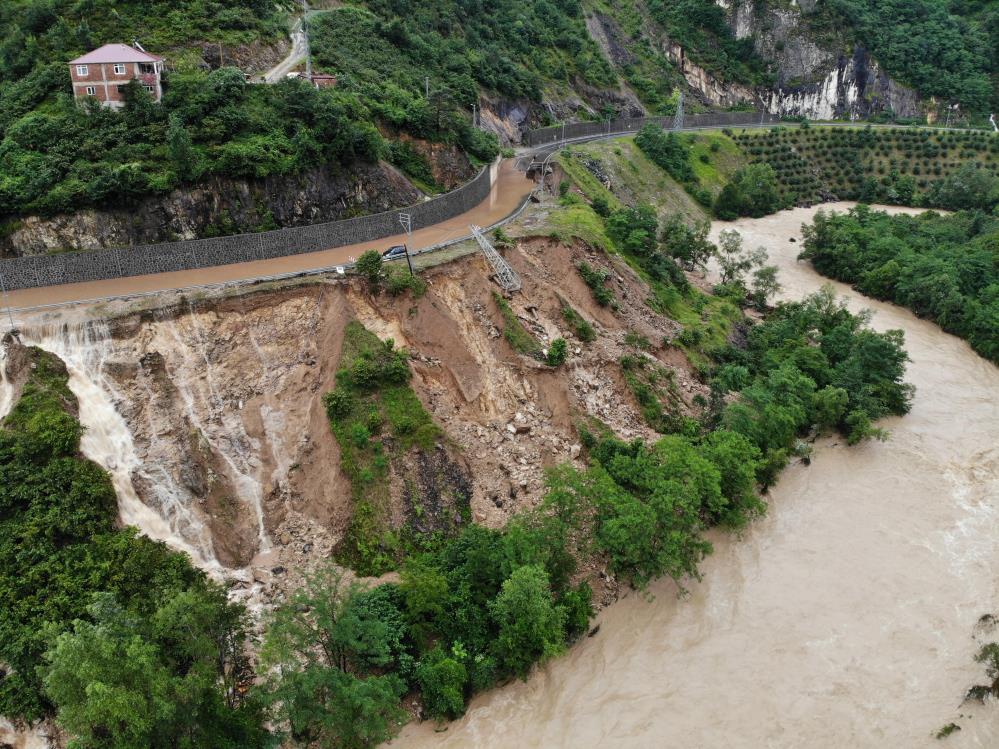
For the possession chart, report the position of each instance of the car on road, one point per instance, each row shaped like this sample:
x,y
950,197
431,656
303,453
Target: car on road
x,y
395,253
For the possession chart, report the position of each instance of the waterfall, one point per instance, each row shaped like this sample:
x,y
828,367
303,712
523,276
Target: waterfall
x,y
6,386
229,437
108,442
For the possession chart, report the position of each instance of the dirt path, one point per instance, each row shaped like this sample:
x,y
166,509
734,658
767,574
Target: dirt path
x,y
299,46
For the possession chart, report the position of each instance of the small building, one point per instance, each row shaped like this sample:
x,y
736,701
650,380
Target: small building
x,y
103,73
323,80
317,80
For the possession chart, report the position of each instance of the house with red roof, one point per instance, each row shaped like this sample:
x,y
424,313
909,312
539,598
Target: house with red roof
x,y
103,73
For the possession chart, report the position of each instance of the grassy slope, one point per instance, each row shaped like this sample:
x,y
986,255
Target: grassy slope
x,y
634,178
377,426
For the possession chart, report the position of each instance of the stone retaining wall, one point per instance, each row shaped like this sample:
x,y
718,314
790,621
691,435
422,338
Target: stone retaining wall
x,y
100,265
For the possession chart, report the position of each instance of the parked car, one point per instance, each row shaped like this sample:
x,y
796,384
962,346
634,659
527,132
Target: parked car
x,y
394,253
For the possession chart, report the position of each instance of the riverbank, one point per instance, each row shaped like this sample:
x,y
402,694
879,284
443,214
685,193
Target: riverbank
x,y
843,618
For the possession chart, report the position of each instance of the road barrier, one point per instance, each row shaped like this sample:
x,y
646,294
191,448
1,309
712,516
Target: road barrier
x,y
138,260
574,130
121,262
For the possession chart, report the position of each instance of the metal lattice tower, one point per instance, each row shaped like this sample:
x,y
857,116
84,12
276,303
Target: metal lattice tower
x,y
678,117
505,275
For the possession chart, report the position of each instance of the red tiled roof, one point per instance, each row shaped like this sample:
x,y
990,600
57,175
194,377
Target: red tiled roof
x,y
114,53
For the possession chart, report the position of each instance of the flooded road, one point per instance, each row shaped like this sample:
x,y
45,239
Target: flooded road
x,y
845,618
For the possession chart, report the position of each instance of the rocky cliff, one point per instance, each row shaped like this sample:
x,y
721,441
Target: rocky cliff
x,y
220,206
818,78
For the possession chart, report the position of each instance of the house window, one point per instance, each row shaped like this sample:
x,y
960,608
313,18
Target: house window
x,y
91,91
147,67
121,90
119,69
148,88
81,70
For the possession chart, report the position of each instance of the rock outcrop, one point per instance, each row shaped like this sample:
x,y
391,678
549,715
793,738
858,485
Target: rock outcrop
x,y
219,206
818,79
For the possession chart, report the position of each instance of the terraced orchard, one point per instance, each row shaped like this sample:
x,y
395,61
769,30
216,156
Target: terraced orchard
x,y
899,166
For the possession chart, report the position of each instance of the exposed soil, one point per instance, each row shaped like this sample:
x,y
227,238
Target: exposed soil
x,y
223,400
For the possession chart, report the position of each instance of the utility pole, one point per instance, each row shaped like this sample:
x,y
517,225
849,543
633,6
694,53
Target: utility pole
x,y
406,219
305,36
10,315
474,123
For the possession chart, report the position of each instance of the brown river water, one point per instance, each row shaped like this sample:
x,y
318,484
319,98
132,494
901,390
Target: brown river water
x,y
845,618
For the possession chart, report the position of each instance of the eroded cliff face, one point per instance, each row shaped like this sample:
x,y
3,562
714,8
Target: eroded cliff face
x,y
814,77
229,445
819,79
220,206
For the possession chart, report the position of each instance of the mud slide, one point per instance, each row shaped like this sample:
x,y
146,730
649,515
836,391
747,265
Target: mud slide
x,y
846,617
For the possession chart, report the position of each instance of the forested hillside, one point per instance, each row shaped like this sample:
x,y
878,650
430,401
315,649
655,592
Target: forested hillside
x,y
948,50
413,69
941,267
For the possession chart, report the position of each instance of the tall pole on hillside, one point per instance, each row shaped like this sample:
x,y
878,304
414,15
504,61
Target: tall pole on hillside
x,y
678,118
10,316
406,219
305,36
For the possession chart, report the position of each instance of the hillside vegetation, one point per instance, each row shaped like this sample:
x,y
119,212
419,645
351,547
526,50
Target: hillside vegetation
x,y
941,267
414,69
948,50
122,637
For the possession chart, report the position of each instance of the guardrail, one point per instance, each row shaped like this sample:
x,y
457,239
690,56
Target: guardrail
x,y
574,130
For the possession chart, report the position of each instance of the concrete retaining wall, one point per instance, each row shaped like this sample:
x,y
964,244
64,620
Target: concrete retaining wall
x,y
99,265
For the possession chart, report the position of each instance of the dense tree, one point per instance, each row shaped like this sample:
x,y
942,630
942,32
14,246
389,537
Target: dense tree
x,y
59,546
687,243
970,187
752,191
176,679
734,260
530,626
940,267
317,656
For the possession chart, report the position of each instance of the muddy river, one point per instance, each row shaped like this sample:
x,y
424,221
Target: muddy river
x,y
845,618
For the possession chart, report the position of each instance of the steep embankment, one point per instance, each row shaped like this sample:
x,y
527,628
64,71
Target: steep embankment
x,y
795,635
228,440
218,207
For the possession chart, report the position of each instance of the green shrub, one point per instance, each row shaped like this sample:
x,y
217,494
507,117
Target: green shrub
x,y
558,352
596,279
582,328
